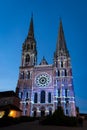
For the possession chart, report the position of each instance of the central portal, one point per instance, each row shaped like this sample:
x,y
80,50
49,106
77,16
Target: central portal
x,y
42,113
42,109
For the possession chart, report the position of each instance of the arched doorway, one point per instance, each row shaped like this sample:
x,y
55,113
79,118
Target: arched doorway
x,y
50,111
42,113
42,109
34,112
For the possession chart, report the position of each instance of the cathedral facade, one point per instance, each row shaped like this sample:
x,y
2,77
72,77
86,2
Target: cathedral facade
x,y
43,87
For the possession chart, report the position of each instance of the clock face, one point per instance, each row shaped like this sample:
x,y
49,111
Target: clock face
x,y
43,80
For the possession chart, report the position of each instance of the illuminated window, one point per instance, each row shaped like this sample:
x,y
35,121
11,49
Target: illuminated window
x,y
58,73
27,95
13,113
2,114
58,92
42,97
35,97
66,93
49,97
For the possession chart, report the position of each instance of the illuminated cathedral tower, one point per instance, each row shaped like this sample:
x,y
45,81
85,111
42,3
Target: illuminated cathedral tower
x,y
63,80
44,87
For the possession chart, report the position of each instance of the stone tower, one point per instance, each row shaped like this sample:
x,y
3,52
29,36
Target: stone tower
x,y
44,87
29,53
63,75
28,61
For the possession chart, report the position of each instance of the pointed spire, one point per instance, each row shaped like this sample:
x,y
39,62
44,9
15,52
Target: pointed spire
x,y
61,43
31,29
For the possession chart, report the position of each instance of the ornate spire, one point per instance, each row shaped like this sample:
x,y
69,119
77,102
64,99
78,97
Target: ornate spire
x,y
31,29
61,43
29,50
43,61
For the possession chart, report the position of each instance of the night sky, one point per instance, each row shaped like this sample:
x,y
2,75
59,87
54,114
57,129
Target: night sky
x,y
15,18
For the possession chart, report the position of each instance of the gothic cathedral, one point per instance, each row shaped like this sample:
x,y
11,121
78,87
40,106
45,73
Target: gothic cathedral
x,y
43,87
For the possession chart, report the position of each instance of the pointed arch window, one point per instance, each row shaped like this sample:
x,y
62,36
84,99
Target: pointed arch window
x,y
21,96
58,92
28,75
58,73
35,97
27,95
66,92
65,73
49,97
42,98
61,63
27,59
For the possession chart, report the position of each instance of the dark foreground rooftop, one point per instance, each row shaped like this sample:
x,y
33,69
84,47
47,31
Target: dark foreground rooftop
x,y
7,94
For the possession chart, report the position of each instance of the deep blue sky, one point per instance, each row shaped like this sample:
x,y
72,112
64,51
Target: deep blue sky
x,y
14,24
